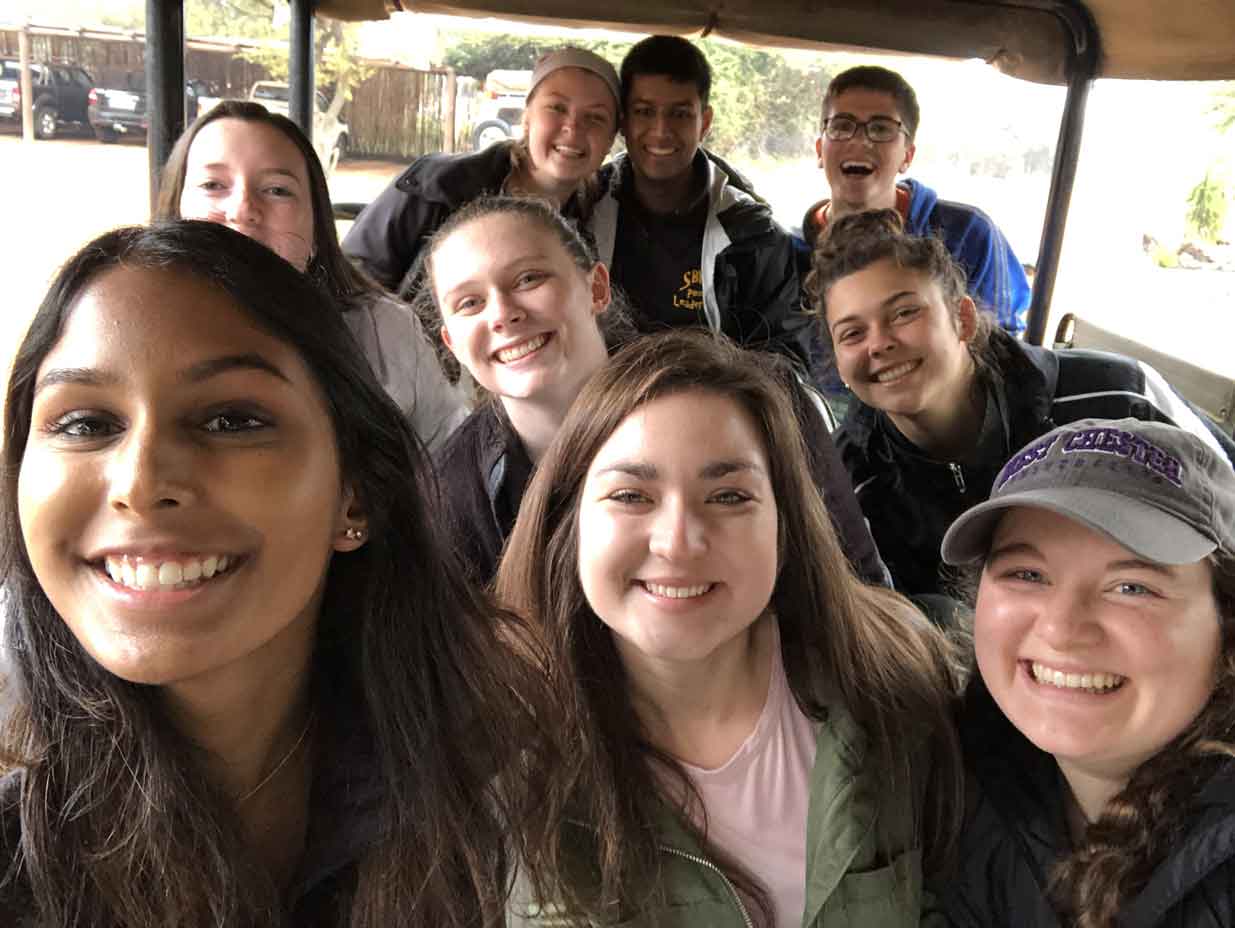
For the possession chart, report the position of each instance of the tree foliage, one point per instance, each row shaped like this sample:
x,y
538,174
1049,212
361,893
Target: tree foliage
x,y
128,15
1207,206
336,61
475,55
762,103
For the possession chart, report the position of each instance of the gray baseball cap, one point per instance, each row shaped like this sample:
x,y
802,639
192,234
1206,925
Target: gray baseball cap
x,y
1157,490
571,57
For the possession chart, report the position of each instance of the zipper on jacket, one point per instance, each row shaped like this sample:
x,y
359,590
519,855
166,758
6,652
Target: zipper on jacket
x,y
958,476
694,858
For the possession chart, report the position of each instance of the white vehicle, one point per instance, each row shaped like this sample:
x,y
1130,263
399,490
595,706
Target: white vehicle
x,y
499,115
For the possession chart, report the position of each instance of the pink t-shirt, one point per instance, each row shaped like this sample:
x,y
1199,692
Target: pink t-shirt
x,y
757,801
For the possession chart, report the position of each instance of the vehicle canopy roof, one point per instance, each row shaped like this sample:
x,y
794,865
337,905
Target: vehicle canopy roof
x,y
1030,39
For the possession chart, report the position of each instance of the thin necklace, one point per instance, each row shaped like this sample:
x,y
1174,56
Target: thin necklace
x,y
282,763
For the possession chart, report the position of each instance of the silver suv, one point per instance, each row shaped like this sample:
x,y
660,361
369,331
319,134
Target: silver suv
x,y
499,115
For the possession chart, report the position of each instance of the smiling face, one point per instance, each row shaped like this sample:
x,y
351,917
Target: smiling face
x,y
180,495
569,126
519,313
898,345
665,123
678,529
862,173
1096,656
252,178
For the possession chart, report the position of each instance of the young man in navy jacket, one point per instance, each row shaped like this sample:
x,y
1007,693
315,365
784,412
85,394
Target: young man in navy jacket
x,y
684,236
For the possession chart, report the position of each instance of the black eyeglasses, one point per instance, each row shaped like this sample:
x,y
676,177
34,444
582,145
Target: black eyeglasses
x,y
877,128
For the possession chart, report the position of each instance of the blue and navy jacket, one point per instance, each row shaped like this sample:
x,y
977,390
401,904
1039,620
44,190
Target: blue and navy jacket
x,y
996,279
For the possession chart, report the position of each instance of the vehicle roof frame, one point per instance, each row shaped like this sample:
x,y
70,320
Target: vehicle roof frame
x,y
1082,65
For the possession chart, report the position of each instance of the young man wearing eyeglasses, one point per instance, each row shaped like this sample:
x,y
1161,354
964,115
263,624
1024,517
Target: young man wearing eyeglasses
x,y
870,118
684,236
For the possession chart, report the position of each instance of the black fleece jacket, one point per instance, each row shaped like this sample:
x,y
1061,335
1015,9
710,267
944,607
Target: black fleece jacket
x,y
1015,832
389,236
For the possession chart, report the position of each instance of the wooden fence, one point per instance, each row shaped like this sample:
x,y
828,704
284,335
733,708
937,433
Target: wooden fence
x,y
396,112
109,54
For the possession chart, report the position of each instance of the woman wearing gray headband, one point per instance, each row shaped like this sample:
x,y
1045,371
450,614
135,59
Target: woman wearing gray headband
x,y
1099,729
569,125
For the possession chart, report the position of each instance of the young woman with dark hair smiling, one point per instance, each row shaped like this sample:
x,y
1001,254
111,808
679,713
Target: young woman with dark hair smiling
x,y
943,398
254,171
756,737
250,689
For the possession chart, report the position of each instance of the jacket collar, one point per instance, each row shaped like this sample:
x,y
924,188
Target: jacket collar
x,y
456,179
844,806
504,465
1027,378
494,436
1021,782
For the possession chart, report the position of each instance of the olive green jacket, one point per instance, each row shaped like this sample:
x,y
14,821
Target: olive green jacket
x,y
863,860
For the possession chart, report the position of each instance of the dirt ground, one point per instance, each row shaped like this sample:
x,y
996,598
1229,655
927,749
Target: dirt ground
x,y
59,194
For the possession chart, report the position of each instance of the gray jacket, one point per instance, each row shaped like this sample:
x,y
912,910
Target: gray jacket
x,y
395,343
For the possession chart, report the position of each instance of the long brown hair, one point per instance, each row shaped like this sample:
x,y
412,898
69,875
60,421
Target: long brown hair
x,y
840,639
1140,826
119,824
328,266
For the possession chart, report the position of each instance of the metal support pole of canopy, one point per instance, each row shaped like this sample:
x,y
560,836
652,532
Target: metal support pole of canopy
x,y
300,66
164,83
1083,68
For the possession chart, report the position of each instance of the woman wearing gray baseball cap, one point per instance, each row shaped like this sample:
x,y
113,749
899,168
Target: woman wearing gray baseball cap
x,y
1099,729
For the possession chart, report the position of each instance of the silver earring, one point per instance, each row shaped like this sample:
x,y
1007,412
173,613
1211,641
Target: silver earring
x,y
353,534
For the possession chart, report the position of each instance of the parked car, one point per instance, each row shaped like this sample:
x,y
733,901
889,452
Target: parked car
x,y
121,110
499,115
60,95
114,112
